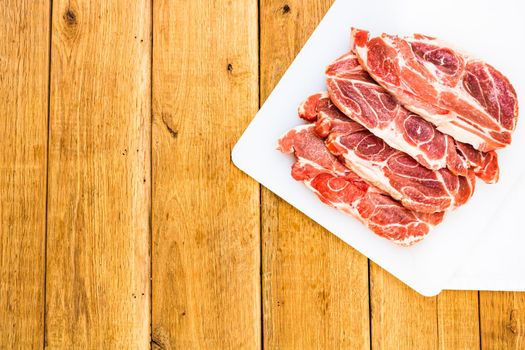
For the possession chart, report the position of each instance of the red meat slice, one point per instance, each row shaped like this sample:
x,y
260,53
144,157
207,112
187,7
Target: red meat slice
x,y
463,97
391,170
354,92
342,189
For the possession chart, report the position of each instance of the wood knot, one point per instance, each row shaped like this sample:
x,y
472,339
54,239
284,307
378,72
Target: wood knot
x,y
70,17
286,9
160,339
512,325
229,67
174,133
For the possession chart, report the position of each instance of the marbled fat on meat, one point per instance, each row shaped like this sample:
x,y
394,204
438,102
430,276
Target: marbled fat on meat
x,y
391,170
361,99
463,97
342,189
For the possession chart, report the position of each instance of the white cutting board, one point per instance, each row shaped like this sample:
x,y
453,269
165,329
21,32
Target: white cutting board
x,y
492,30
498,262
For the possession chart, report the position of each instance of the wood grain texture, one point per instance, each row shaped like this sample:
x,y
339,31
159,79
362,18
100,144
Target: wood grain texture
x,y
206,244
24,59
403,319
315,287
502,320
99,176
458,320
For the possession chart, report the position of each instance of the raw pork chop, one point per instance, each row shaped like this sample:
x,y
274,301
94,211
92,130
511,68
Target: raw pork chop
x,y
340,188
393,171
353,91
464,97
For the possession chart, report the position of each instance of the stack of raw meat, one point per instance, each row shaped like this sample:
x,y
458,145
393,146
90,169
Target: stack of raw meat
x,y
404,129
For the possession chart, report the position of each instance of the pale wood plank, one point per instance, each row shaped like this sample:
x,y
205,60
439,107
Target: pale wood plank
x,y
403,319
98,283
458,320
315,287
502,320
206,244
24,59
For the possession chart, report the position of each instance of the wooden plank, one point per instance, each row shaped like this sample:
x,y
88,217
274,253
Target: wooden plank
x,y
403,319
98,283
502,320
24,59
315,287
206,244
458,320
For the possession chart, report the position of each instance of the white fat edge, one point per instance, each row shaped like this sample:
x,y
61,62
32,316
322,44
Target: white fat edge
x,y
303,127
436,119
361,54
395,139
301,110
461,135
348,209
317,166
410,240
312,164
371,173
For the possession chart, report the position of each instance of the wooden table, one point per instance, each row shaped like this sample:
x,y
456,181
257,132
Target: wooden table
x,y
125,225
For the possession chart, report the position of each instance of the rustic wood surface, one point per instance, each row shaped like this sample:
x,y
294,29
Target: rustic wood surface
x,y
98,270
206,281
123,222
24,60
